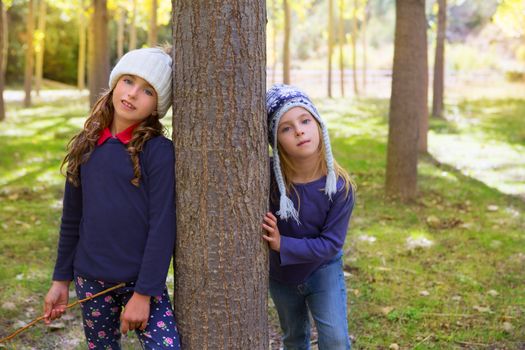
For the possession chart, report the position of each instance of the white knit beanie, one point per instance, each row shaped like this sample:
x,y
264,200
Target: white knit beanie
x,y
152,65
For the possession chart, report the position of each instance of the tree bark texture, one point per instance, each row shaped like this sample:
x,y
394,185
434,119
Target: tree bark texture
x,y
286,42
408,101
3,43
222,173
29,59
99,51
439,62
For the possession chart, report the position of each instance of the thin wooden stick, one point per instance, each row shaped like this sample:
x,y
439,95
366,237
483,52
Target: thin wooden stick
x,y
30,324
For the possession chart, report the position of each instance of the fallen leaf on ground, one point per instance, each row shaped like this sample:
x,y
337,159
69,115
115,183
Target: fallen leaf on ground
x,y
424,293
393,346
493,293
386,310
507,326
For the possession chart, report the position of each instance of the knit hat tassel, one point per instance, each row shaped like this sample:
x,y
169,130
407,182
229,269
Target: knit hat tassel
x,y
286,209
331,183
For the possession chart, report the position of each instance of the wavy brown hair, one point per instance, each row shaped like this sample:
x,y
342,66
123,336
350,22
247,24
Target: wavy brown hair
x,y
81,146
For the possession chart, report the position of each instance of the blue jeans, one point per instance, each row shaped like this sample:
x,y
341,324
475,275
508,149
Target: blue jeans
x,y
324,294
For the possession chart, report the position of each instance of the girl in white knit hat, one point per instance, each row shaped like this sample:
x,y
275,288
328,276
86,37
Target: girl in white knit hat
x,y
118,220
311,201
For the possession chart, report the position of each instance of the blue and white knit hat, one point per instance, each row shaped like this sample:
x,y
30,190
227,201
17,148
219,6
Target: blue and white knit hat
x,y
279,100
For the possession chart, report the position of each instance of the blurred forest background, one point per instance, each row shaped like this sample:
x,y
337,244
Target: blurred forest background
x,y
443,270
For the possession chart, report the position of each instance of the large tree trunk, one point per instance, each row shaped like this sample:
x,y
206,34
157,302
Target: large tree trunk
x,y
286,44
330,44
408,101
354,48
341,39
132,28
3,44
365,44
81,70
29,60
98,67
121,22
439,62
152,33
222,173
41,30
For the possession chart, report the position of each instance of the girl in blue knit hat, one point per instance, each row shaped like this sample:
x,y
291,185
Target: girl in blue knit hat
x,y
311,201
118,220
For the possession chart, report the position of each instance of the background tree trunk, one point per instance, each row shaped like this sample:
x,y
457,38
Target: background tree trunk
x,y
408,100
29,60
222,173
98,67
439,62
152,33
3,44
274,40
121,22
40,43
286,45
365,44
330,44
354,47
341,39
132,28
81,70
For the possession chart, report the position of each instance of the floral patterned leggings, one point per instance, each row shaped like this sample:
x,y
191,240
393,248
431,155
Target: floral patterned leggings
x,y
102,317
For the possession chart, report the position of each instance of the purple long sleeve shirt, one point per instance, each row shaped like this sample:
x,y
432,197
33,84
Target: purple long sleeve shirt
x,y
320,236
116,232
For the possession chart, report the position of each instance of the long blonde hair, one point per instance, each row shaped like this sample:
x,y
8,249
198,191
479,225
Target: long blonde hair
x,y
288,169
80,147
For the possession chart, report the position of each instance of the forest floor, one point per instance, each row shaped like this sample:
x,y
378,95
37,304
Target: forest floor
x,y
445,271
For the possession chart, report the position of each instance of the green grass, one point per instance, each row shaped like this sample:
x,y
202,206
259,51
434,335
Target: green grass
x,y
478,233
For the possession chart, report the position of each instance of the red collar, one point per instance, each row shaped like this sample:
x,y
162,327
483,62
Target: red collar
x,y
123,136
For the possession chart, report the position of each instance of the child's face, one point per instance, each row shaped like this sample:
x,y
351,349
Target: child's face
x,y
134,99
298,134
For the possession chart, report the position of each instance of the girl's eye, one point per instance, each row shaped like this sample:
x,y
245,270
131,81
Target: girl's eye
x,y
306,121
285,129
148,92
127,81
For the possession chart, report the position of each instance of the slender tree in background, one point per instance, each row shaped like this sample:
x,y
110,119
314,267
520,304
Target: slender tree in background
x,y
341,39
286,42
39,45
29,60
222,173
439,61
408,101
121,22
82,27
354,46
132,26
330,44
365,43
153,28
274,39
98,57
3,43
